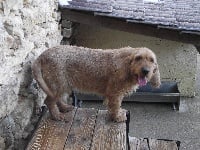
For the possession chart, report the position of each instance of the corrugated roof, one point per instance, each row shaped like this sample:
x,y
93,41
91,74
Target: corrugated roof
x,y
176,14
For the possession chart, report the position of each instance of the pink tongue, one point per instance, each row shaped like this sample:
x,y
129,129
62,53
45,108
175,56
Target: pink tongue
x,y
142,81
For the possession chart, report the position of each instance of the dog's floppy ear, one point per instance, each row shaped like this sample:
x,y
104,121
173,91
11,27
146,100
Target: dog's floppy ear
x,y
124,69
155,79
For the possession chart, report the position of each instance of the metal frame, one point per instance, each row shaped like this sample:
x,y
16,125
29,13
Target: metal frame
x,y
145,94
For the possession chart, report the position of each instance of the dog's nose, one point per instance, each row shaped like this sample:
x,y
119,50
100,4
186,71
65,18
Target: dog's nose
x,y
145,71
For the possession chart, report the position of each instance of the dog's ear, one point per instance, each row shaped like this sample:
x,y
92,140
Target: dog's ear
x,y
155,79
124,69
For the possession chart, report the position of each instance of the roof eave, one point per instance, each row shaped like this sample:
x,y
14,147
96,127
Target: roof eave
x,y
132,26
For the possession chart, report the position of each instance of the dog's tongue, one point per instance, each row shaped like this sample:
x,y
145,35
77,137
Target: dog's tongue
x,y
142,81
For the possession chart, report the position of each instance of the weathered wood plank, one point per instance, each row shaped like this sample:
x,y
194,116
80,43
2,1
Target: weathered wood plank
x,y
108,135
50,134
81,132
162,145
138,144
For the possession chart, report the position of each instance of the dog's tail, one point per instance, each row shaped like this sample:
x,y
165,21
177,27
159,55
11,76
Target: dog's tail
x,y
37,74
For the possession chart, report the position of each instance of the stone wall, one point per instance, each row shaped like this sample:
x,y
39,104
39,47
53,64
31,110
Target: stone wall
x,y
27,28
177,61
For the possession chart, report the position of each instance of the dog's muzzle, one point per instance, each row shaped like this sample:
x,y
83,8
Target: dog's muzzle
x,y
145,71
142,80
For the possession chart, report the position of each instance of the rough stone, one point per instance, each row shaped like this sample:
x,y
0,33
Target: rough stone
x,y
12,5
67,32
66,24
7,126
2,143
27,28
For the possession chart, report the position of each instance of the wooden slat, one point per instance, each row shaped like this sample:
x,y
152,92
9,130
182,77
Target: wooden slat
x,y
108,135
81,133
162,145
138,144
50,134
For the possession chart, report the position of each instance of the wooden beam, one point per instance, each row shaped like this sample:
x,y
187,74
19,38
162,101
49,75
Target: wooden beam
x,y
81,132
51,134
108,135
123,25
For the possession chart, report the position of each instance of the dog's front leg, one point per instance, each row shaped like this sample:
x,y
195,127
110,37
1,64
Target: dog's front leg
x,y
114,108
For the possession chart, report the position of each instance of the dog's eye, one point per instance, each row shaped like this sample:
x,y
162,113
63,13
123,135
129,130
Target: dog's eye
x,y
152,60
138,58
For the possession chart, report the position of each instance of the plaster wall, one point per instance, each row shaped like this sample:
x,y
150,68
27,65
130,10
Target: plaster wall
x,y
177,61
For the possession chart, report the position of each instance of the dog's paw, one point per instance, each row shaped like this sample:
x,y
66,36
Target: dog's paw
x,y
120,116
58,117
66,108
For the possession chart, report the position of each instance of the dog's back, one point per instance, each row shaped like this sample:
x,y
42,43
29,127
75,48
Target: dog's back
x,y
66,68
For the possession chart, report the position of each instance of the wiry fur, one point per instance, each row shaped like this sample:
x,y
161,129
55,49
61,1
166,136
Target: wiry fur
x,y
111,73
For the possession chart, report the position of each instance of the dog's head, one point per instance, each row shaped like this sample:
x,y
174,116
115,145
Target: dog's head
x,y
144,67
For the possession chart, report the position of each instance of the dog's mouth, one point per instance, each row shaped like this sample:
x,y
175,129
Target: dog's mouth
x,y
142,81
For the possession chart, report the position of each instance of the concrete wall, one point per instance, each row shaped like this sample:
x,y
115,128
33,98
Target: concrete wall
x,y
27,28
177,61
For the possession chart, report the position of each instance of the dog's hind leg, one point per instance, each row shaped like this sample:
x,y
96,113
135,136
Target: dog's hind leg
x,y
63,101
53,109
63,107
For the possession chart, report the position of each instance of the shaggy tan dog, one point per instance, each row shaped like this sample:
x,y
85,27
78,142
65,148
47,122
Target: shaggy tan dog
x,y
111,73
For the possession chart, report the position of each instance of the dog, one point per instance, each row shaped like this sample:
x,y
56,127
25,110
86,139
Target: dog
x,y
111,73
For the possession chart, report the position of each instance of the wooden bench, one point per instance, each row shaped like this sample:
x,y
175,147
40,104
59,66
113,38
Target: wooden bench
x,y
88,129
85,129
